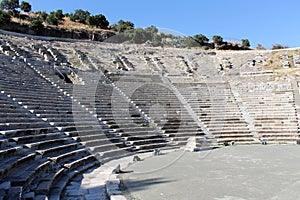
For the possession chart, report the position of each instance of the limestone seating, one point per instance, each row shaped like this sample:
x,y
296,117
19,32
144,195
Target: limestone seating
x,y
23,131
102,148
53,128
35,170
30,172
85,139
217,109
110,126
14,160
296,59
130,125
58,184
144,98
99,142
273,114
35,138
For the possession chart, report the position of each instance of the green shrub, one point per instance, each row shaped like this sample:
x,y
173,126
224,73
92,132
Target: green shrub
x,y
190,42
59,14
80,16
98,21
37,25
260,47
156,40
4,17
140,36
278,46
25,6
217,39
9,4
151,29
245,43
52,19
124,25
201,39
43,16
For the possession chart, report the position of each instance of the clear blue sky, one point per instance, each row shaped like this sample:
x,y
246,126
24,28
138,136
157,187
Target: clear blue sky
x,y
261,21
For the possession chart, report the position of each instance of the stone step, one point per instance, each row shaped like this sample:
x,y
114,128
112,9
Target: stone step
x,y
38,137
57,149
13,162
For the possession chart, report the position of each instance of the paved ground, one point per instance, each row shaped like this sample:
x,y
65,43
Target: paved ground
x,y
228,173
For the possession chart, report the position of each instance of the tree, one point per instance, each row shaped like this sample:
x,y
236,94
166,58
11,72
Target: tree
x,y
25,6
245,43
156,40
260,47
42,15
59,14
52,19
80,16
278,46
152,29
99,21
4,17
217,39
124,25
37,25
140,36
201,39
9,5
190,42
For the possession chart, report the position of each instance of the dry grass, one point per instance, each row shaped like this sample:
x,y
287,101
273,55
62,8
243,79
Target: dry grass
x,y
20,21
66,23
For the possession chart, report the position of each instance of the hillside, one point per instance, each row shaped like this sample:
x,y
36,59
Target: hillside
x,y
97,28
65,29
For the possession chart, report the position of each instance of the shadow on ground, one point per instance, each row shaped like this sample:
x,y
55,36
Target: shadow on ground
x,y
140,185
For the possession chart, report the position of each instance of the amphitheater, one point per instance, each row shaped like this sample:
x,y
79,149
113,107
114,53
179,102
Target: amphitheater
x,y
73,112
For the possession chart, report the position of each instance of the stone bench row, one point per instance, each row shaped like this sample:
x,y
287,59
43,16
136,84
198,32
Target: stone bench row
x,y
218,110
36,167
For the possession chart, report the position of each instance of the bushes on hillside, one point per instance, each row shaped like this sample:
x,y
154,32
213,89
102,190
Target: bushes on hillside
x,y
98,21
127,31
42,15
9,5
190,42
25,6
4,17
201,39
37,25
123,26
260,47
245,43
80,16
52,19
217,39
59,14
278,46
